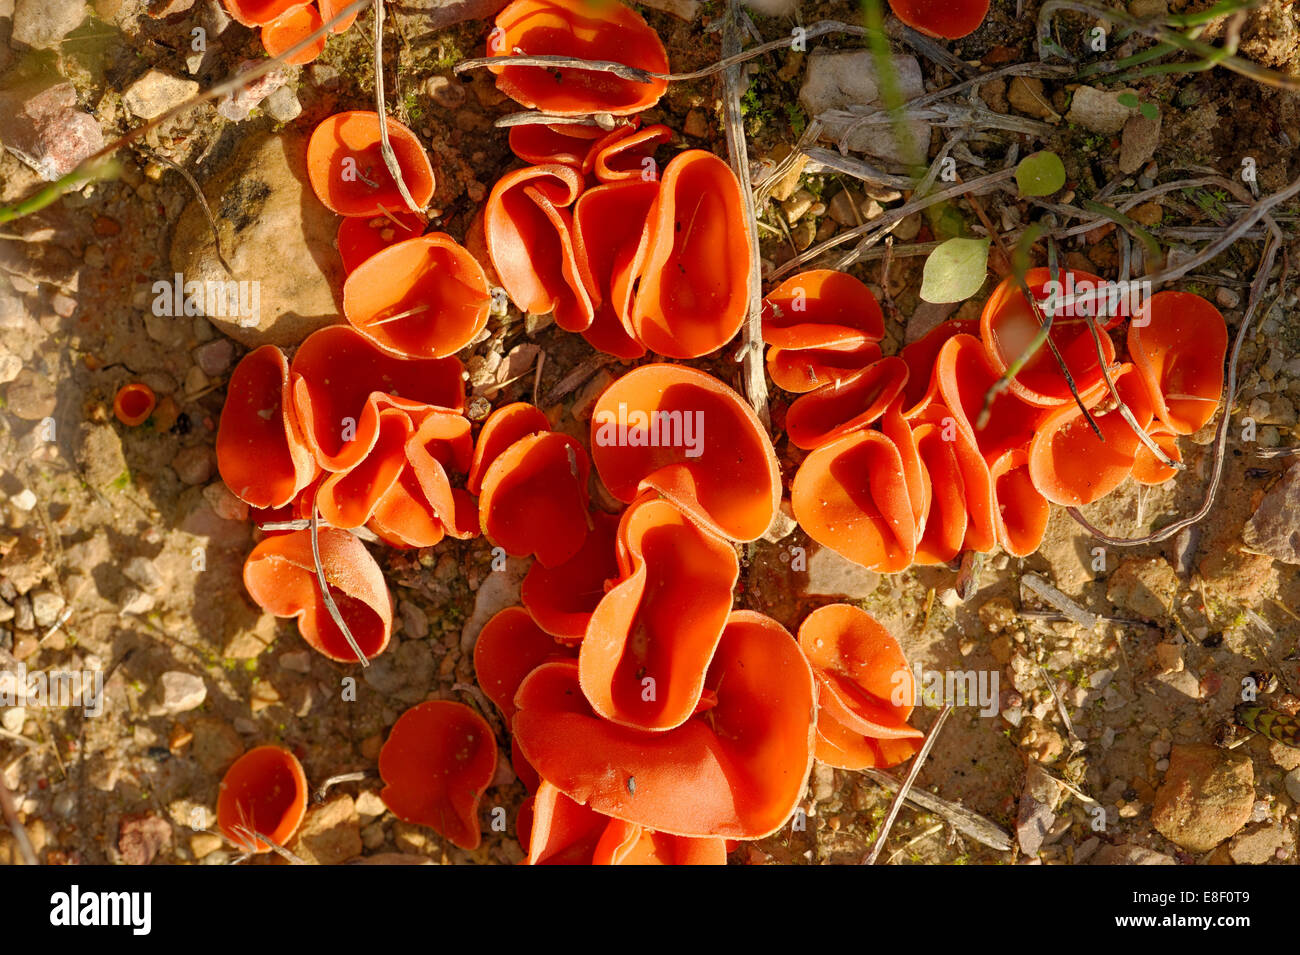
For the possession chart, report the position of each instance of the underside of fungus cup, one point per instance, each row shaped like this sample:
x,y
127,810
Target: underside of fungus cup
x,y
436,764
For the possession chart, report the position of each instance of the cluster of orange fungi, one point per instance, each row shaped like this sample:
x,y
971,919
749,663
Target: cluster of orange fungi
x,y
649,720
286,23
901,470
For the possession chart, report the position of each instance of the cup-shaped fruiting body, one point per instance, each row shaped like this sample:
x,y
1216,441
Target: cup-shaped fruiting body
x,y
1150,470
839,408
945,19
345,164
291,28
965,377
626,153
1069,463
565,143
821,326
504,426
735,771
851,495
1008,325
360,237
689,437
1021,513
329,9
348,499
532,486
134,403
436,764
558,831
341,380
692,267
425,297
529,234
563,598
534,498
256,13
260,449
1177,342
922,388
509,647
583,29
649,642
280,576
866,690
422,506
608,222
944,527
263,797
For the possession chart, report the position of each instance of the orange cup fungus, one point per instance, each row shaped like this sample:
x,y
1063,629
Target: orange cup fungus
x,y
261,454
911,463
865,689
436,764
285,23
533,487
586,29
687,436
559,831
345,165
650,639
280,576
530,240
945,19
134,403
263,799
652,721
424,297
821,326
735,770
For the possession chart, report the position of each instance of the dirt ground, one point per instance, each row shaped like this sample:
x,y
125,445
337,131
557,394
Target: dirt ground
x,y
131,531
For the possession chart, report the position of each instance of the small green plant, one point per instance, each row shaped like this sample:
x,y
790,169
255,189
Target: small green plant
x,y
1040,174
955,270
1149,110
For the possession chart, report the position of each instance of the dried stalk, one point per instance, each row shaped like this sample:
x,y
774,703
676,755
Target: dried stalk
x,y
751,350
1162,34
324,585
903,790
638,75
965,821
386,147
873,231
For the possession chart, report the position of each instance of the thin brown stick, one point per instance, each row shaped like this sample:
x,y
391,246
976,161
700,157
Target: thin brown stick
x,y
324,585
203,203
965,821
751,350
638,75
386,147
875,230
903,790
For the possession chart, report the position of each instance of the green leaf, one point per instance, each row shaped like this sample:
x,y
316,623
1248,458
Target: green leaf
x,y
1127,99
1149,110
955,270
1040,174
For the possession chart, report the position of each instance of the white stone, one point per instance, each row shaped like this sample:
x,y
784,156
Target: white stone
x,y
181,692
